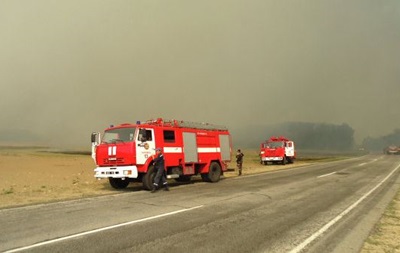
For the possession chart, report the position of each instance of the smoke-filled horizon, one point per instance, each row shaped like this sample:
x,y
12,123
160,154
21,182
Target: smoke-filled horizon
x,y
72,67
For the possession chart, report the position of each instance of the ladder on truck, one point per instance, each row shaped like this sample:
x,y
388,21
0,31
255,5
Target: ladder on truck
x,y
188,124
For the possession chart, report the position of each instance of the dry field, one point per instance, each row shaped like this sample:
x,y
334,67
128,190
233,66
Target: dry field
x,y
32,176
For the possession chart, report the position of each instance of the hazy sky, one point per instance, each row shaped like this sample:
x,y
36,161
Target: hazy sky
x,y
68,68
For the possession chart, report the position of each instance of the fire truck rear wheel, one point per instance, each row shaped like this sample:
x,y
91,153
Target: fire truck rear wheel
x,y
118,183
214,172
148,179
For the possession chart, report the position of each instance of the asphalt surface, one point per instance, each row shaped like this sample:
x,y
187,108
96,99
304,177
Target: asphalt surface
x,y
328,207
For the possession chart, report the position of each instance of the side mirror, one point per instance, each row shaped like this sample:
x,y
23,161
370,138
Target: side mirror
x,y
94,138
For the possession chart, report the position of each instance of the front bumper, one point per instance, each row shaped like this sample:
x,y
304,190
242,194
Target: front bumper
x,y
116,172
271,159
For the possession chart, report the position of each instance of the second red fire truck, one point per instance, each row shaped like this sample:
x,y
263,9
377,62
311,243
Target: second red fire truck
x,y
123,154
277,150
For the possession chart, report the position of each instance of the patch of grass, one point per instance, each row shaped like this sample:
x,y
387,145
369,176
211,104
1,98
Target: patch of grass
x,y
75,181
68,152
251,156
379,237
321,159
8,191
372,242
6,147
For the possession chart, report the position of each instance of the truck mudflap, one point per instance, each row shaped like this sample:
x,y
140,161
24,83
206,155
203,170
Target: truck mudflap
x,y
116,172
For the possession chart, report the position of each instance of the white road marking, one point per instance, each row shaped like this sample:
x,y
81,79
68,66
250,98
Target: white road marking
x,y
100,229
325,175
301,246
362,164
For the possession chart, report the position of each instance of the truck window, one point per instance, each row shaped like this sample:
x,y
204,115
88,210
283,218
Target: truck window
x,y
149,135
169,136
145,135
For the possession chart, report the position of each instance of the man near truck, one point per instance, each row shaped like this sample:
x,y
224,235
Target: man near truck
x,y
239,161
159,167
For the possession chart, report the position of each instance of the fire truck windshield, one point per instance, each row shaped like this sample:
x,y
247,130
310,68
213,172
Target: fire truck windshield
x,y
119,135
274,144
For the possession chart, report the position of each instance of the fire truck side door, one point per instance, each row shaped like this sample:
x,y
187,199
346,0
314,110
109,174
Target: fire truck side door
x,y
190,147
289,150
145,145
225,146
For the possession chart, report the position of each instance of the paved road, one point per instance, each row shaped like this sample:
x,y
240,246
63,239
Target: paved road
x,y
327,207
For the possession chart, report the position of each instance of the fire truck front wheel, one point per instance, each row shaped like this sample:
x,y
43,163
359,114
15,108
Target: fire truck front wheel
x,y
214,173
284,160
118,183
148,178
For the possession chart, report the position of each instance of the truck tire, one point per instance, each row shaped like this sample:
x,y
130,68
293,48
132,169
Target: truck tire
x,y
214,173
148,179
118,183
284,160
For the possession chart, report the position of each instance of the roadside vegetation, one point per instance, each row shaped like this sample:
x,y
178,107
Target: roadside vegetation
x,y
252,157
385,237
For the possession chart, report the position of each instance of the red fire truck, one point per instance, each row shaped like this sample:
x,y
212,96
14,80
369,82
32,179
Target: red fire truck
x,y
392,150
123,154
277,150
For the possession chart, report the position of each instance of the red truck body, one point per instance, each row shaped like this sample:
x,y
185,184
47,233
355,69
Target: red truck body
x,y
124,153
277,150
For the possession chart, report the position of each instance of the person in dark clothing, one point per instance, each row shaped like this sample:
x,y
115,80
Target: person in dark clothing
x,y
159,165
239,161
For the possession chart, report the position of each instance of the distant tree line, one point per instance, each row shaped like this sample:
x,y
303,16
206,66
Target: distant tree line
x,y
312,136
321,136
379,143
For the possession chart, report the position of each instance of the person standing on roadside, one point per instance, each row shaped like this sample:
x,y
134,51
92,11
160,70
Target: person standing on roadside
x,y
239,161
159,167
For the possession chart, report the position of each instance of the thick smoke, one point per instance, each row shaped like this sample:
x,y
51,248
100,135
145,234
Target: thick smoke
x,y
70,67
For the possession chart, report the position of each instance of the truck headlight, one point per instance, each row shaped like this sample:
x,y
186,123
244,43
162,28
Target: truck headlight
x,y
127,172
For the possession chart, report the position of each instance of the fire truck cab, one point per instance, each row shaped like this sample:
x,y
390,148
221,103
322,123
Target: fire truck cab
x,y
277,150
392,150
123,154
